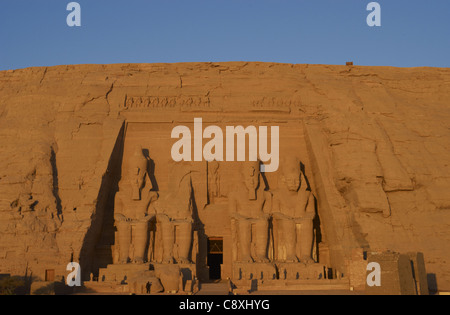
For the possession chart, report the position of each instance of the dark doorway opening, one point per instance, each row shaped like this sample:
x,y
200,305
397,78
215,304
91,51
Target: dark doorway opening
x,y
215,257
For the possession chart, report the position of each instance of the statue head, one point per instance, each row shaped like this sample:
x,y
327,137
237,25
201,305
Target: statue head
x,y
250,172
290,173
138,162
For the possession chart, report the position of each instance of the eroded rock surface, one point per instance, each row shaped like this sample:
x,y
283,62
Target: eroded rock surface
x,y
378,142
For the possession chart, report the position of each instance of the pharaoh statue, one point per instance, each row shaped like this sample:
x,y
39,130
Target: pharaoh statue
x,y
293,211
131,209
246,205
174,213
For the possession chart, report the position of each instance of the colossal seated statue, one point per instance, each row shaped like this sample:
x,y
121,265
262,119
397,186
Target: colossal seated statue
x,y
293,212
174,213
131,209
247,203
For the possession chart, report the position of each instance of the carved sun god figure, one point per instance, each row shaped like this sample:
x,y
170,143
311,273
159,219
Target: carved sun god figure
x,y
213,180
131,209
293,206
174,213
246,206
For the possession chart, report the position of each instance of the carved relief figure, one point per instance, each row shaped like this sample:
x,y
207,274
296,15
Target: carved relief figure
x,y
131,209
213,180
174,215
246,205
293,212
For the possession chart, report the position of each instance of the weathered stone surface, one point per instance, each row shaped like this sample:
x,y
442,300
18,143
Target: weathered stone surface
x,y
396,272
375,143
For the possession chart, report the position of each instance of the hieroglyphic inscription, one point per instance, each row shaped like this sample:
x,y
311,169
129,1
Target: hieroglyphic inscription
x,y
183,103
274,104
203,103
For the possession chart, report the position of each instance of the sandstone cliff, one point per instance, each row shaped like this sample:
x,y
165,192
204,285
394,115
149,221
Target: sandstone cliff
x,y
379,139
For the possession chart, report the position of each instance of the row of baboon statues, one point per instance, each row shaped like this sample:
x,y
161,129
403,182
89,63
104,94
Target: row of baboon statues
x,y
290,209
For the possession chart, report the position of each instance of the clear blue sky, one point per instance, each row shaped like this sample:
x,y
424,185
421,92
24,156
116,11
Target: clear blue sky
x,y
413,33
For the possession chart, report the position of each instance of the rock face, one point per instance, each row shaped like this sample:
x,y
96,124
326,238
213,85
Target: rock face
x,y
374,143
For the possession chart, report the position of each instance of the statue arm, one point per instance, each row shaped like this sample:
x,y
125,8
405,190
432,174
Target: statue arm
x,y
268,202
302,202
152,197
118,204
148,182
232,207
118,217
141,177
308,210
151,210
311,207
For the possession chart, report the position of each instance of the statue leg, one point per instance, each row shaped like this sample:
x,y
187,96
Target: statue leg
x,y
262,238
140,241
184,242
276,250
124,233
306,241
245,239
289,240
151,241
168,239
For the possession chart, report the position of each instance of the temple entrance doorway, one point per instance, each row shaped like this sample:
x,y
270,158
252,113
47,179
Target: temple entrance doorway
x,y
215,257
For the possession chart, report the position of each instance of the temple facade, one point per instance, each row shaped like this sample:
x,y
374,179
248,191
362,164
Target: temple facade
x,y
214,220
95,182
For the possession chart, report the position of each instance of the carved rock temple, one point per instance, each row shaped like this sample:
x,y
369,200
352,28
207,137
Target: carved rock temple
x,y
87,176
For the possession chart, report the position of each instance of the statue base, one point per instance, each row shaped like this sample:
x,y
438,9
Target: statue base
x,y
284,276
124,272
169,278
300,271
189,271
254,271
